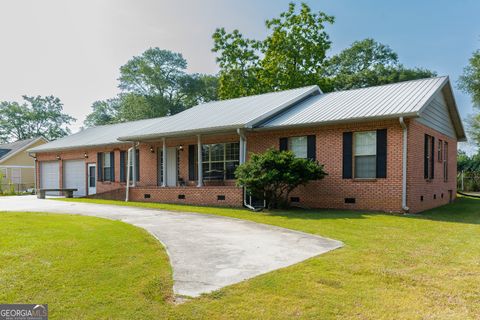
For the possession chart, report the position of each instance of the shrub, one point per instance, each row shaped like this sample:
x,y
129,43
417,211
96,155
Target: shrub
x,y
273,175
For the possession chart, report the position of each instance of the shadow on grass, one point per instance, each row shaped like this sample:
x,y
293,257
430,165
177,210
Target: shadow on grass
x,y
463,210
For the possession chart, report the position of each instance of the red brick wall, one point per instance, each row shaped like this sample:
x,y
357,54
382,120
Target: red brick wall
x,y
91,158
193,195
417,186
330,192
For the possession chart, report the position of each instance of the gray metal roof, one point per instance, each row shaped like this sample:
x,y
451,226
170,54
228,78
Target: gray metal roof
x,y
9,149
222,115
96,136
386,101
296,107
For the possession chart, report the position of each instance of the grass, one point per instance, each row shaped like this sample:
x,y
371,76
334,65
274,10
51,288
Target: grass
x,y
392,267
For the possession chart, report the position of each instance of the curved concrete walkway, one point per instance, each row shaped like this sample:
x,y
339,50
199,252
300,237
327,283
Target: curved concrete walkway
x,y
207,252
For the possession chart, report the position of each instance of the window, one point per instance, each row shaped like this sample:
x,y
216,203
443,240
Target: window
x,y
91,177
440,151
445,161
299,146
220,160
107,167
16,176
365,154
429,157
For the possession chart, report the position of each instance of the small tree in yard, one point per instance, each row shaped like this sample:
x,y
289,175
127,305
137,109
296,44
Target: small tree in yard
x,y
275,174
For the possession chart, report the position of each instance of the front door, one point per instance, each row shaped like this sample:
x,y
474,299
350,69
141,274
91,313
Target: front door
x,y
92,178
172,167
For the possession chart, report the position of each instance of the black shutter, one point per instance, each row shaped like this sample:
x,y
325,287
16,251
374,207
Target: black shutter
x,y
425,158
283,144
347,155
100,166
432,160
123,178
311,147
112,166
191,162
382,153
137,164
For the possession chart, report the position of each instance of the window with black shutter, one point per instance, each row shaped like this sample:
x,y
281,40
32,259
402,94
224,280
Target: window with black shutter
x,y
429,157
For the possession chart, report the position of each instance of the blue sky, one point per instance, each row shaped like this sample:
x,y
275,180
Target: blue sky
x,y
74,49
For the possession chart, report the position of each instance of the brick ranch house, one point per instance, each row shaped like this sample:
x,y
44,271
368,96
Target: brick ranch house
x,y
390,148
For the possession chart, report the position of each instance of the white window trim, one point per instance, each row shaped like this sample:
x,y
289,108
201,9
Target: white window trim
x,y
366,155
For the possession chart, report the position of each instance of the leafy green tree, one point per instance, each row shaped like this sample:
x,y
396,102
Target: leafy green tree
x,y
295,54
239,64
154,84
368,63
469,81
275,174
296,50
291,56
35,117
104,112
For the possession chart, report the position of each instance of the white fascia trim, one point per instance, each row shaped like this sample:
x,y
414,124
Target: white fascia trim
x,y
21,167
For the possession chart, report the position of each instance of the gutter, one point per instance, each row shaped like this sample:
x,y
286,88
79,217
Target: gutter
x,y
404,165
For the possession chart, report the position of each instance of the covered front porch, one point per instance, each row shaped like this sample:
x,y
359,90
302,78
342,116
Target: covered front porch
x,y
198,169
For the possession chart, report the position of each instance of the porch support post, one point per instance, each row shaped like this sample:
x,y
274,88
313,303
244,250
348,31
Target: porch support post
x,y
242,146
134,165
164,162
200,161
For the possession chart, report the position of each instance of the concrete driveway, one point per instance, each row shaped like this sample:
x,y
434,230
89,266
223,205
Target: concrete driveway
x,y
207,252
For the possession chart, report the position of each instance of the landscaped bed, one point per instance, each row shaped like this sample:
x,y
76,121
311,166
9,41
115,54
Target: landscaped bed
x,y
392,267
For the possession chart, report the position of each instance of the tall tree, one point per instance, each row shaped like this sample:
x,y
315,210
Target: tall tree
x,y
296,49
104,112
35,117
295,54
291,56
469,82
368,63
239,64
153,84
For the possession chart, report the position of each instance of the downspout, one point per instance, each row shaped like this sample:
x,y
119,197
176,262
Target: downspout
x,y
404,165
128,174
243,157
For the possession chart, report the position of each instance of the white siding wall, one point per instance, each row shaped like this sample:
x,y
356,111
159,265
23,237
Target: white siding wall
x,y
437,116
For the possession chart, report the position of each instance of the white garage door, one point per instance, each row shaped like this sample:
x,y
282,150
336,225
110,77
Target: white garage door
x,y
74,176
49,176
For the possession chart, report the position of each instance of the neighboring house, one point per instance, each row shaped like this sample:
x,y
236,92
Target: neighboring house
x,y
16,166
388,148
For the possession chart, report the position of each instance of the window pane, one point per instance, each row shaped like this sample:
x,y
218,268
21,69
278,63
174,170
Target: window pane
x,y
230,168
298,145
232,151
217,153
106,174
106,159
365,167
365,143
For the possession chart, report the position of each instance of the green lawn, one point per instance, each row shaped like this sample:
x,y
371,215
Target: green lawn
x,y
392,267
